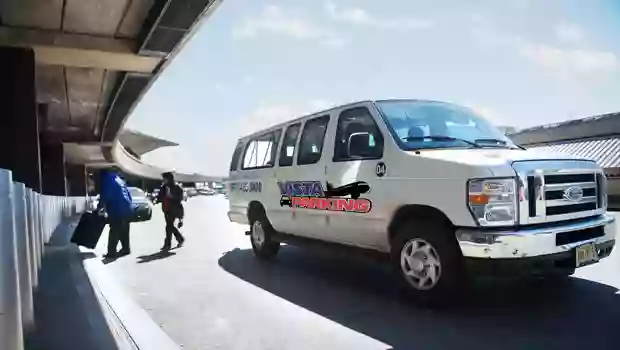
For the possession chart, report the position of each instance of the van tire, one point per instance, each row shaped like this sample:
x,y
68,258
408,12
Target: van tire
x,y
264,246
437,255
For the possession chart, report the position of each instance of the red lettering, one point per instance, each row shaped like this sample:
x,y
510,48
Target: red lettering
x,y
316,203
319,203
345,204
362,205
311,203
300,202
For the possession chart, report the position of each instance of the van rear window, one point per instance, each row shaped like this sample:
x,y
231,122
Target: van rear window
x,y
234,162
261,151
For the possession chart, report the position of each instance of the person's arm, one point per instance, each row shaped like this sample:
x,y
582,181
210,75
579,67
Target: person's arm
x,y
103,197
160,194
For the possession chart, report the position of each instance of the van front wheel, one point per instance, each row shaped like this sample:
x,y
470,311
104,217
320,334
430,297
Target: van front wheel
x,y
261,237
429,262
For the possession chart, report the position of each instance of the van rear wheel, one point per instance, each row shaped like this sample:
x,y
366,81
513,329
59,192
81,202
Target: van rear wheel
x,y
261,236
428,262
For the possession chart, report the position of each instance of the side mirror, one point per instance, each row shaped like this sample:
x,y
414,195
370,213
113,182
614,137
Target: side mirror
x,y
359,144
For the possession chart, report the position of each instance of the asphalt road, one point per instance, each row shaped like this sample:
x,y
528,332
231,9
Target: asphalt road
x,y
212,294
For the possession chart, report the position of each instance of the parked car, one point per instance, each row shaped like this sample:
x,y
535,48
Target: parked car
x,y
437,189
205,191
219,188
191,191
143,207
153,195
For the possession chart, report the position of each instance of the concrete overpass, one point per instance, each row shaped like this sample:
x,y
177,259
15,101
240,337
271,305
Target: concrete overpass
x,y
136,144
73,70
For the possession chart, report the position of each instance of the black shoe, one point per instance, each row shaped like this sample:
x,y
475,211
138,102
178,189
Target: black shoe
x,y
111,256
180,244
124,252
165,248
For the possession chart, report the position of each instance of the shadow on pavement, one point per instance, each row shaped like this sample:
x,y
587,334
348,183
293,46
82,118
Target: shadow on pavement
x,y
67,311
575,314
155,256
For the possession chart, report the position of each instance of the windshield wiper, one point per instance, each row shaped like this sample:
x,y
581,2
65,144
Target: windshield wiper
x,y
440,138
497,141
491,140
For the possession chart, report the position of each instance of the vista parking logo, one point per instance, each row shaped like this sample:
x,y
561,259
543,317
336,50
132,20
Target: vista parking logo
x,y
311,195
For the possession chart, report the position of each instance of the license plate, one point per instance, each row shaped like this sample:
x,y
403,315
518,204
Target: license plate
x,y
586,254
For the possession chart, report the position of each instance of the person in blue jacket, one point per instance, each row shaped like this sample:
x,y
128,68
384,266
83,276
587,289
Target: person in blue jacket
x,y
115,198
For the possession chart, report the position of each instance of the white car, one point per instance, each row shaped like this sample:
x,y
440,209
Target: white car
x,y
432,185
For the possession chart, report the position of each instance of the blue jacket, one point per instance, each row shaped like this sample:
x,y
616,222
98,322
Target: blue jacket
x,y
115,196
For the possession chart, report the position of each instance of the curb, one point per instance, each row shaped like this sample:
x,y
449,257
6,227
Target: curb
x,y
132,327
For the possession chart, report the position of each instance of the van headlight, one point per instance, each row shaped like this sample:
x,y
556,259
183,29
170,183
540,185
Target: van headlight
x,y
493,202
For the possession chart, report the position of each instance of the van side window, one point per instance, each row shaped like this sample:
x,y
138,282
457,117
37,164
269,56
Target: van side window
x,y
312,137
234,162
354,121
261,151
288,145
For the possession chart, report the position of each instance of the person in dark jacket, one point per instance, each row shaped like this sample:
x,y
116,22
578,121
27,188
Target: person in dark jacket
x,y
115,198
171,197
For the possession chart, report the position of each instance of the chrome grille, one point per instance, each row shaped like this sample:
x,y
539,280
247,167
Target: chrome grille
x,y
559,190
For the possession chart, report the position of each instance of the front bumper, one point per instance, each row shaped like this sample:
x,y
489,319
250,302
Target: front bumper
x,y
542,265
537,241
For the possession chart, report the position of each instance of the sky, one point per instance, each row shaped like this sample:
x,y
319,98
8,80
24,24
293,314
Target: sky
x,y
252,64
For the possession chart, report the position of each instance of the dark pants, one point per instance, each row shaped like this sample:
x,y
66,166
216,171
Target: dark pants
x,y
172,230
119,231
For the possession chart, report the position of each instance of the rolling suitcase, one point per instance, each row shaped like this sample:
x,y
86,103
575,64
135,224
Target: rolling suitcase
x,y
89,230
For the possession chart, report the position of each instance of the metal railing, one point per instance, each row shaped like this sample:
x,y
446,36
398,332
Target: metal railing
x,y
27,221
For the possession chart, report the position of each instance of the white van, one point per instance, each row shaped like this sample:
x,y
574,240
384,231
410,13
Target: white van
x,y
433,185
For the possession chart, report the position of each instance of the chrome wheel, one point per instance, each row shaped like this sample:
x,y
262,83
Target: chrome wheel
x,y
420,264
258,234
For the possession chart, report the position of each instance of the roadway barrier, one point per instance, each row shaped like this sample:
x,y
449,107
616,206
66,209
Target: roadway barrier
x,y
27,221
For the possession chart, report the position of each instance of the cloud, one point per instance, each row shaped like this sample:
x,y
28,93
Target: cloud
x,y
249,79
485,35
278,21
359,16
520,4
569,65
176,158
572,64
477,17
221,88
267,115
569,33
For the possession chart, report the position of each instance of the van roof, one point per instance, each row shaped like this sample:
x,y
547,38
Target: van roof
x,y
350,104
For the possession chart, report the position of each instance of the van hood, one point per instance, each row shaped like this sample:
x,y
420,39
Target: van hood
x,y
497,159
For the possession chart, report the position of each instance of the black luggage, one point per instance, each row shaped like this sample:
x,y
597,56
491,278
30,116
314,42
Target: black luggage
x,y
89,230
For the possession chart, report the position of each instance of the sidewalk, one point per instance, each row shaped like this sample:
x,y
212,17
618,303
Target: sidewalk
x,y
67,310
78,305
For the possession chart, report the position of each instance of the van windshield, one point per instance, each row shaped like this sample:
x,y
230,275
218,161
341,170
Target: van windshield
x,y
428,125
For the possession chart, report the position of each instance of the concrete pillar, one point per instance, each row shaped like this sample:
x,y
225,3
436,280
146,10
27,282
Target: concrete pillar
x,y
76,179
19,123
53,169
